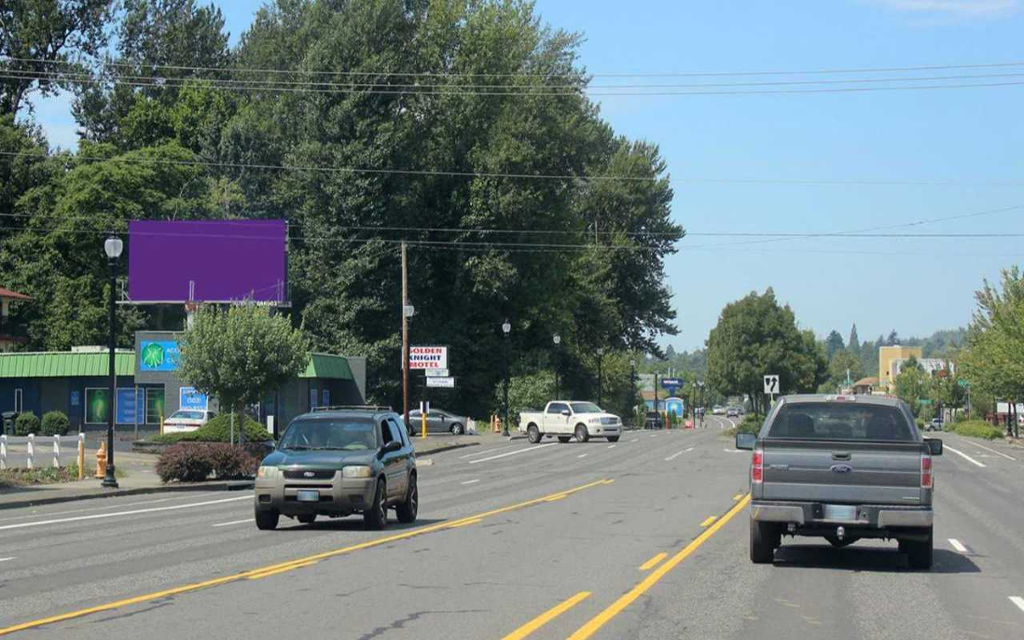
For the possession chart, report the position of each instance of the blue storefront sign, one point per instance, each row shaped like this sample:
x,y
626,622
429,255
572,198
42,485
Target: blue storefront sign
x,y
674,405
158,355
189,398
129,403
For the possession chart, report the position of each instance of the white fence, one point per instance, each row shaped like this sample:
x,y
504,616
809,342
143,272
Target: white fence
x,y
32,450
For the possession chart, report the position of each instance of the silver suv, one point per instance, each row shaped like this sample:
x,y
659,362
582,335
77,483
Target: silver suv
x,y
338,461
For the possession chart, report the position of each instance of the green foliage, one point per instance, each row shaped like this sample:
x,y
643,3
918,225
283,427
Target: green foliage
x,y
843,366
833,344
217,430
54,423
976,429
754,337
750,424
242,354
26,423
185,462
526,393
913,385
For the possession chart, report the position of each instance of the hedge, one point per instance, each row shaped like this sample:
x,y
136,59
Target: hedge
x,y
25,424
54,423
217,430
976,429
198,461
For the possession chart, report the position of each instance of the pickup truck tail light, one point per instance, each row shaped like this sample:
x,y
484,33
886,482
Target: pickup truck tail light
x,y
926,471
757,467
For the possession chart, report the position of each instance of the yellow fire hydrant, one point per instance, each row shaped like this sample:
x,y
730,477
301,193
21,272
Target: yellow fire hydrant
x,y
101,461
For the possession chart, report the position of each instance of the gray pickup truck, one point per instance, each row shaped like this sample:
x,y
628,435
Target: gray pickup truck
x,y
842,468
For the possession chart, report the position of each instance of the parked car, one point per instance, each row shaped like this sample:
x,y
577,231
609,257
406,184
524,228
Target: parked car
x,y
187,420
842,468
339,462
935,425
653,420
718,410
438,421
732,412
565,419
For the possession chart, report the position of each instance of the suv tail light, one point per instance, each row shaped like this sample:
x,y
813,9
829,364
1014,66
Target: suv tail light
x,y
926,471
757,467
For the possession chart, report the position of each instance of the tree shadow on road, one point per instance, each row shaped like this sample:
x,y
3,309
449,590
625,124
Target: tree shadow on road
x,y
874,559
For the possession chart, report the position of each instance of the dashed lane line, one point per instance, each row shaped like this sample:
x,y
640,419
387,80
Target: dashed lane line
x,y
471,481
512,453
966,457
674,456
582,455
486,451
650,564
233,522
611,446
998,453
98,516
956,544
1019,601
709,521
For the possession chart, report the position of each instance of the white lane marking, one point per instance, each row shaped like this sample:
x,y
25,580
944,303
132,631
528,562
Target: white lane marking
x,y
674,456
6,559
228,524
611,446
966,457
1000,453
734,450
956,544
654,435
582,455
635,440
512,453
98,516
689,450
470,481
111,506
485,452
1019,601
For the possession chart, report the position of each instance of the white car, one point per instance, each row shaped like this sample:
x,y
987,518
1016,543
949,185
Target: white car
x,y
565,419
187,420
718,410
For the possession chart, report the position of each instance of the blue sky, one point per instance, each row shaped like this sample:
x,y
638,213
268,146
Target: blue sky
x,y
967,136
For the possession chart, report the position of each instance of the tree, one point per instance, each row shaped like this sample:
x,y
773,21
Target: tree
x,y
893,339
833,343
241,355
913,385
854,341
842,367
755,337
44,43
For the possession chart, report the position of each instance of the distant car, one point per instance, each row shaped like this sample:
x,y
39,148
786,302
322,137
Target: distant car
x,y
935,424
652,420
438,421
187,420
732,412
718,410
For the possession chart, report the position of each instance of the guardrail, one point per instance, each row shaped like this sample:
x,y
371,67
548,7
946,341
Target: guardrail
x,y
31,441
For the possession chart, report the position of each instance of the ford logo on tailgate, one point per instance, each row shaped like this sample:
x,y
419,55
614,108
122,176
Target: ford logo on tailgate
x,y
841,468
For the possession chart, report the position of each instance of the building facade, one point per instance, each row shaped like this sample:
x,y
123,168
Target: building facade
x,y
886,370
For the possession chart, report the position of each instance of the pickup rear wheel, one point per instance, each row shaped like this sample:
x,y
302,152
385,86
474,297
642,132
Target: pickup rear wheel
x,y
919,552
533,434
764,538
581,433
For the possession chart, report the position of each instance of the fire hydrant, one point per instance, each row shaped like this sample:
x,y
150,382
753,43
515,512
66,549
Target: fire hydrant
x,y
101,461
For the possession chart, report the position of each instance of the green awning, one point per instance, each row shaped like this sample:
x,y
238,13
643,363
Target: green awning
x,y
64,364
326,366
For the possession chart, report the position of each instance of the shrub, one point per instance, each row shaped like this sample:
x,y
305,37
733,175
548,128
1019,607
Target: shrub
x,y
184,462
977,429
218,430
55,423
25,424
230,462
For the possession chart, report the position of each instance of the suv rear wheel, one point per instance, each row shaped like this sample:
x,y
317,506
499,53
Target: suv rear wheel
x,y
377,515
407,510
764,538
267,520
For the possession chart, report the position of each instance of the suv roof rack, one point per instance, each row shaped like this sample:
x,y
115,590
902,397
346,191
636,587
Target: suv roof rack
x,y
342,407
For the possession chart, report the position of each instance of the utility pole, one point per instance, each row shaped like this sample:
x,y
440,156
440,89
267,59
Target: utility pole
x,y
405,337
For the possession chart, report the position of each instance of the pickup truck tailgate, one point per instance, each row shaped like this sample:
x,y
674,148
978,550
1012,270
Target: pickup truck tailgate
x,y
837,471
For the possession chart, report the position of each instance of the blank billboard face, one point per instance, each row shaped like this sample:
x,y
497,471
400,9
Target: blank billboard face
x,y
207,261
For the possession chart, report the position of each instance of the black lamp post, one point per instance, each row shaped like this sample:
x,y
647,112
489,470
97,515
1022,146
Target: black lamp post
x,y
506,328
557,339
600,357
632,386
112,247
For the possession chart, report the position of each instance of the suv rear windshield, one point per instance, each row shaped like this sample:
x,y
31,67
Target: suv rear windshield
x,y
834,421
340,434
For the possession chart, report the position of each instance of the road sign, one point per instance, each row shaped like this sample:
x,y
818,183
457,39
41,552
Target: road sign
x,y
441,383
189,398
436,373
963,383
428,357
671,383
925,401
771,384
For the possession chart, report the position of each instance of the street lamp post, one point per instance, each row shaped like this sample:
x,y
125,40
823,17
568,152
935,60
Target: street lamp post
x,y
557,339
506,328
112,247
600,357
632,386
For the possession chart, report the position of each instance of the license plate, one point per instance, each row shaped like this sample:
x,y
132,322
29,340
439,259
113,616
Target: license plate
x,y
308,496
840,512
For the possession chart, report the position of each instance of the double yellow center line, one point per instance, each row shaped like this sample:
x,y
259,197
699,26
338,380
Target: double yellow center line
x,y
275,569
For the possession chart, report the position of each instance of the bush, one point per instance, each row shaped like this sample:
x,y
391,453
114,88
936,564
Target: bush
x,y
976,429
217,430
920,423
196,461
25,424
751,424
55,423
230,462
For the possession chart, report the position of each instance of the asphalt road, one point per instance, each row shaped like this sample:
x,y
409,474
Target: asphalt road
x,y
644,539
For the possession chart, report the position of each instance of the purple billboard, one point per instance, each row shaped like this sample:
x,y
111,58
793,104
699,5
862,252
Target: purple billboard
x,y
207,261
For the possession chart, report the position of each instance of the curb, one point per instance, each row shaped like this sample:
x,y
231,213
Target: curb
x,y
227,485
450,447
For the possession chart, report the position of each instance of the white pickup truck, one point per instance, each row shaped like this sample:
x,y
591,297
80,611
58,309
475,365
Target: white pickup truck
x,y
565,419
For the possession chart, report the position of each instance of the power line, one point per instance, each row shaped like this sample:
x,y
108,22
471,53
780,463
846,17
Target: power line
x,y
528,176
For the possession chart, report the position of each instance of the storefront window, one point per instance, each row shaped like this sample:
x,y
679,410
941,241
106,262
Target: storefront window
x,y
154,405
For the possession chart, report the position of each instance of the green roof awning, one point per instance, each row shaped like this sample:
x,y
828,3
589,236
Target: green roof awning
x,y
326,366
64,364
